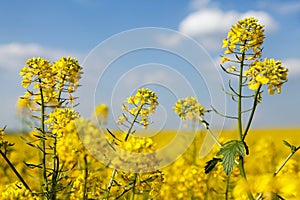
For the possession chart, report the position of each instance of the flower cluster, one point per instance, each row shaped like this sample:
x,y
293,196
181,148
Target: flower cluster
x,y
101,113
246,35
2,134
93,187
268,72
140,106
189,108
67,73
49,81
16,190
59,119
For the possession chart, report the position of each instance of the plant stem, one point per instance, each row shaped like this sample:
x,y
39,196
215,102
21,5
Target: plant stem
x,y
55,170
85,177
113,174
252,113
15,171
240,98
285,161
240,125
206,125
243,174
133,187
132,123
44,167
227,187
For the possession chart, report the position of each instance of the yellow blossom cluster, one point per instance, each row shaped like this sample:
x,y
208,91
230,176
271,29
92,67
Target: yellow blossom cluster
x,y
67,70
101,113
268,72
59,119
49,81
16,190
189,108
2,134
246,35
140,106
93,187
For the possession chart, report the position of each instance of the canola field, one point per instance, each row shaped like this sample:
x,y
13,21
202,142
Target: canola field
x,y
66,156
183,179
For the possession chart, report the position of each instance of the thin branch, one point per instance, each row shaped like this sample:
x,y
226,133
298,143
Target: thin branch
x,y
226,116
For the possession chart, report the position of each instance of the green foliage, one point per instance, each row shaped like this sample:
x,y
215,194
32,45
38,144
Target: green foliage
x,y
229,152
292,147
210,165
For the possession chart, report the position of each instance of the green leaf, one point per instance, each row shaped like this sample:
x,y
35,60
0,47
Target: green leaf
x,y
210,165
229,152
287,144
292,147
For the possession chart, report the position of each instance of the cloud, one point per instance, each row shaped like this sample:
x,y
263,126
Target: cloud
x,y
293,65
14,55
210,25
214,21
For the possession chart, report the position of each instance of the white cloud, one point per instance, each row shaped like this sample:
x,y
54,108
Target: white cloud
x,y
205,22
210,25
293,66
14,55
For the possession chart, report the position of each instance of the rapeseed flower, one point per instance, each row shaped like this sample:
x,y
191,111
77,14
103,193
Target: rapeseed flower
x,y
246,35
268,72
189,108
139,106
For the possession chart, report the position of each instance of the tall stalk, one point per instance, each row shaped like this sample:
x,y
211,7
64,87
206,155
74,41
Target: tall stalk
x,y
43,140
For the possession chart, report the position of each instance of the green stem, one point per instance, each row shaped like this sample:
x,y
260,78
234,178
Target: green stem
x,y
55,170
85,177
281,167
133,187
206,125
285,161
15,171
240,125
132,123
126,138
240,98
113,174
255,103
243,174
44,167
227,187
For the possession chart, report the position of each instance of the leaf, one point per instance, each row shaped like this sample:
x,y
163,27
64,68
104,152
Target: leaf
x,y
210,165
229,152
32,166
287,144
292,147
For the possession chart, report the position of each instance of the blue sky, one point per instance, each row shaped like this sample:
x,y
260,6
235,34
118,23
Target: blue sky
x,y
82,28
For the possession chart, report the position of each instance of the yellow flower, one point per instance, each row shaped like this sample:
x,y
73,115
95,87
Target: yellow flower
x,y
245,36
189,108
50,81
140,106
268,72
224,59
16,190
2,134
59,119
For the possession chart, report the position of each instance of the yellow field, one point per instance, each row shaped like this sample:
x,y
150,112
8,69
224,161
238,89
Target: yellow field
x,y
184,178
